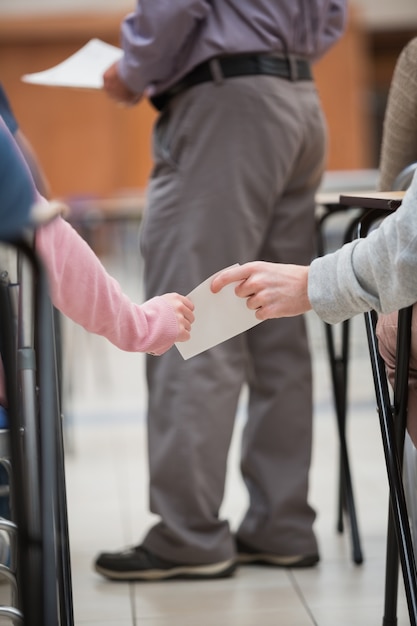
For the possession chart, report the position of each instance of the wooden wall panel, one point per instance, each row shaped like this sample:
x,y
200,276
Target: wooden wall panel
x,y
86,143
342,78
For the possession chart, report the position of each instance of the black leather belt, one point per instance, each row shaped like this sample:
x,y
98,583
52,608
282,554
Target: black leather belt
x,y
290,68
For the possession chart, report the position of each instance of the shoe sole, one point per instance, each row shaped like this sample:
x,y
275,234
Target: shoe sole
x,y
277,561
197,572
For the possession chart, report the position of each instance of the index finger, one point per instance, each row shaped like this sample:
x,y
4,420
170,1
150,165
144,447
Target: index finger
x,y
227,276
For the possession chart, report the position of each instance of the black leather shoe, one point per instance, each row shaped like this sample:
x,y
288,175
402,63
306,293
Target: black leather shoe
x,y
138,563
246,555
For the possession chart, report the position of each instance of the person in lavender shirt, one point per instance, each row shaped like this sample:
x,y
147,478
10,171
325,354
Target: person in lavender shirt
x,y
239,150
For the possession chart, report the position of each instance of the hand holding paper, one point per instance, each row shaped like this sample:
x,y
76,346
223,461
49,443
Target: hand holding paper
x,y
217,317
273,290
116,89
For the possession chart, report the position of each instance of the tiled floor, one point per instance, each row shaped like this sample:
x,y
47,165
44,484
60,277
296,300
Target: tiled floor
x,y
107,502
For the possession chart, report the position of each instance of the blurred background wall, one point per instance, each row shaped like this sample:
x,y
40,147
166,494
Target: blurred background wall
x,y
90,146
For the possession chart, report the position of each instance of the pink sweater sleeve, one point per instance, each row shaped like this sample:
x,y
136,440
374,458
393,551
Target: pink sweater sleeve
x,y
82,289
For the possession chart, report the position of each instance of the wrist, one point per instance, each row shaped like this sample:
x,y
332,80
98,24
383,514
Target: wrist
x,y
304,300
305,295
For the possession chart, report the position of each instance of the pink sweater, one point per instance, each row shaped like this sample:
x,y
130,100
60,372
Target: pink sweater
x,y
83,290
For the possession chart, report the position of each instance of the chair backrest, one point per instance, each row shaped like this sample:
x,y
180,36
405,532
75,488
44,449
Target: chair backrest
x,y
404,178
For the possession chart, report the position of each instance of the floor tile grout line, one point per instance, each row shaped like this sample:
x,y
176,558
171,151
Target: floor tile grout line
x,y
301,597
133,604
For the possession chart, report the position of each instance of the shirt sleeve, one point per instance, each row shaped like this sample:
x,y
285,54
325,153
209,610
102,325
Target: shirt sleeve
x,y
17,190
153,35
334,24
378,272
6,112
82,289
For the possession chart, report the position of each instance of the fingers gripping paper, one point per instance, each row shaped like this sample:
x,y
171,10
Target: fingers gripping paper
x,y
218,317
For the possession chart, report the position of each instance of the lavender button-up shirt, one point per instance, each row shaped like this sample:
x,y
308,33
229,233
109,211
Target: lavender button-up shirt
x,y
164,39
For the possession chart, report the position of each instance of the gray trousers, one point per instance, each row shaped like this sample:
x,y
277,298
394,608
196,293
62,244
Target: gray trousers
x,y
237,165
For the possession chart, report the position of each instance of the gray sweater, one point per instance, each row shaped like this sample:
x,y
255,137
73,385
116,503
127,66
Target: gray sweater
x,y
378,272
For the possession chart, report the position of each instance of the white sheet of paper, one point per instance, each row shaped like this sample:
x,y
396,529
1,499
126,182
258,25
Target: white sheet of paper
x,y
218,316
83,70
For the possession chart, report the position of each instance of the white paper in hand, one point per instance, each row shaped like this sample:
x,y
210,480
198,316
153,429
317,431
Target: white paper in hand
x,y
82,70
218,316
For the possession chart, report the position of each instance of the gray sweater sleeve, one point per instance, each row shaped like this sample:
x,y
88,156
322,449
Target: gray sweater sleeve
x,y
379,272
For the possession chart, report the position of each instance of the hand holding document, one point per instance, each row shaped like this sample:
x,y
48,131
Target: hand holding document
x,y
218,316
82,70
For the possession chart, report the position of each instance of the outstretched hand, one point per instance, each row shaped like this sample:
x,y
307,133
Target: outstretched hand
x,y
183,308
116,89
271,289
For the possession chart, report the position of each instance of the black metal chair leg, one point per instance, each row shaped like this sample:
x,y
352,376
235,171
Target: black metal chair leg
x,y
346,502
339,363
393,418
391,574
399,409
399,527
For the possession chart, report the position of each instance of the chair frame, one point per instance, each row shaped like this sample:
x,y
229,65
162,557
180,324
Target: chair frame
x,y
32,385
393,420
339,366
392,417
